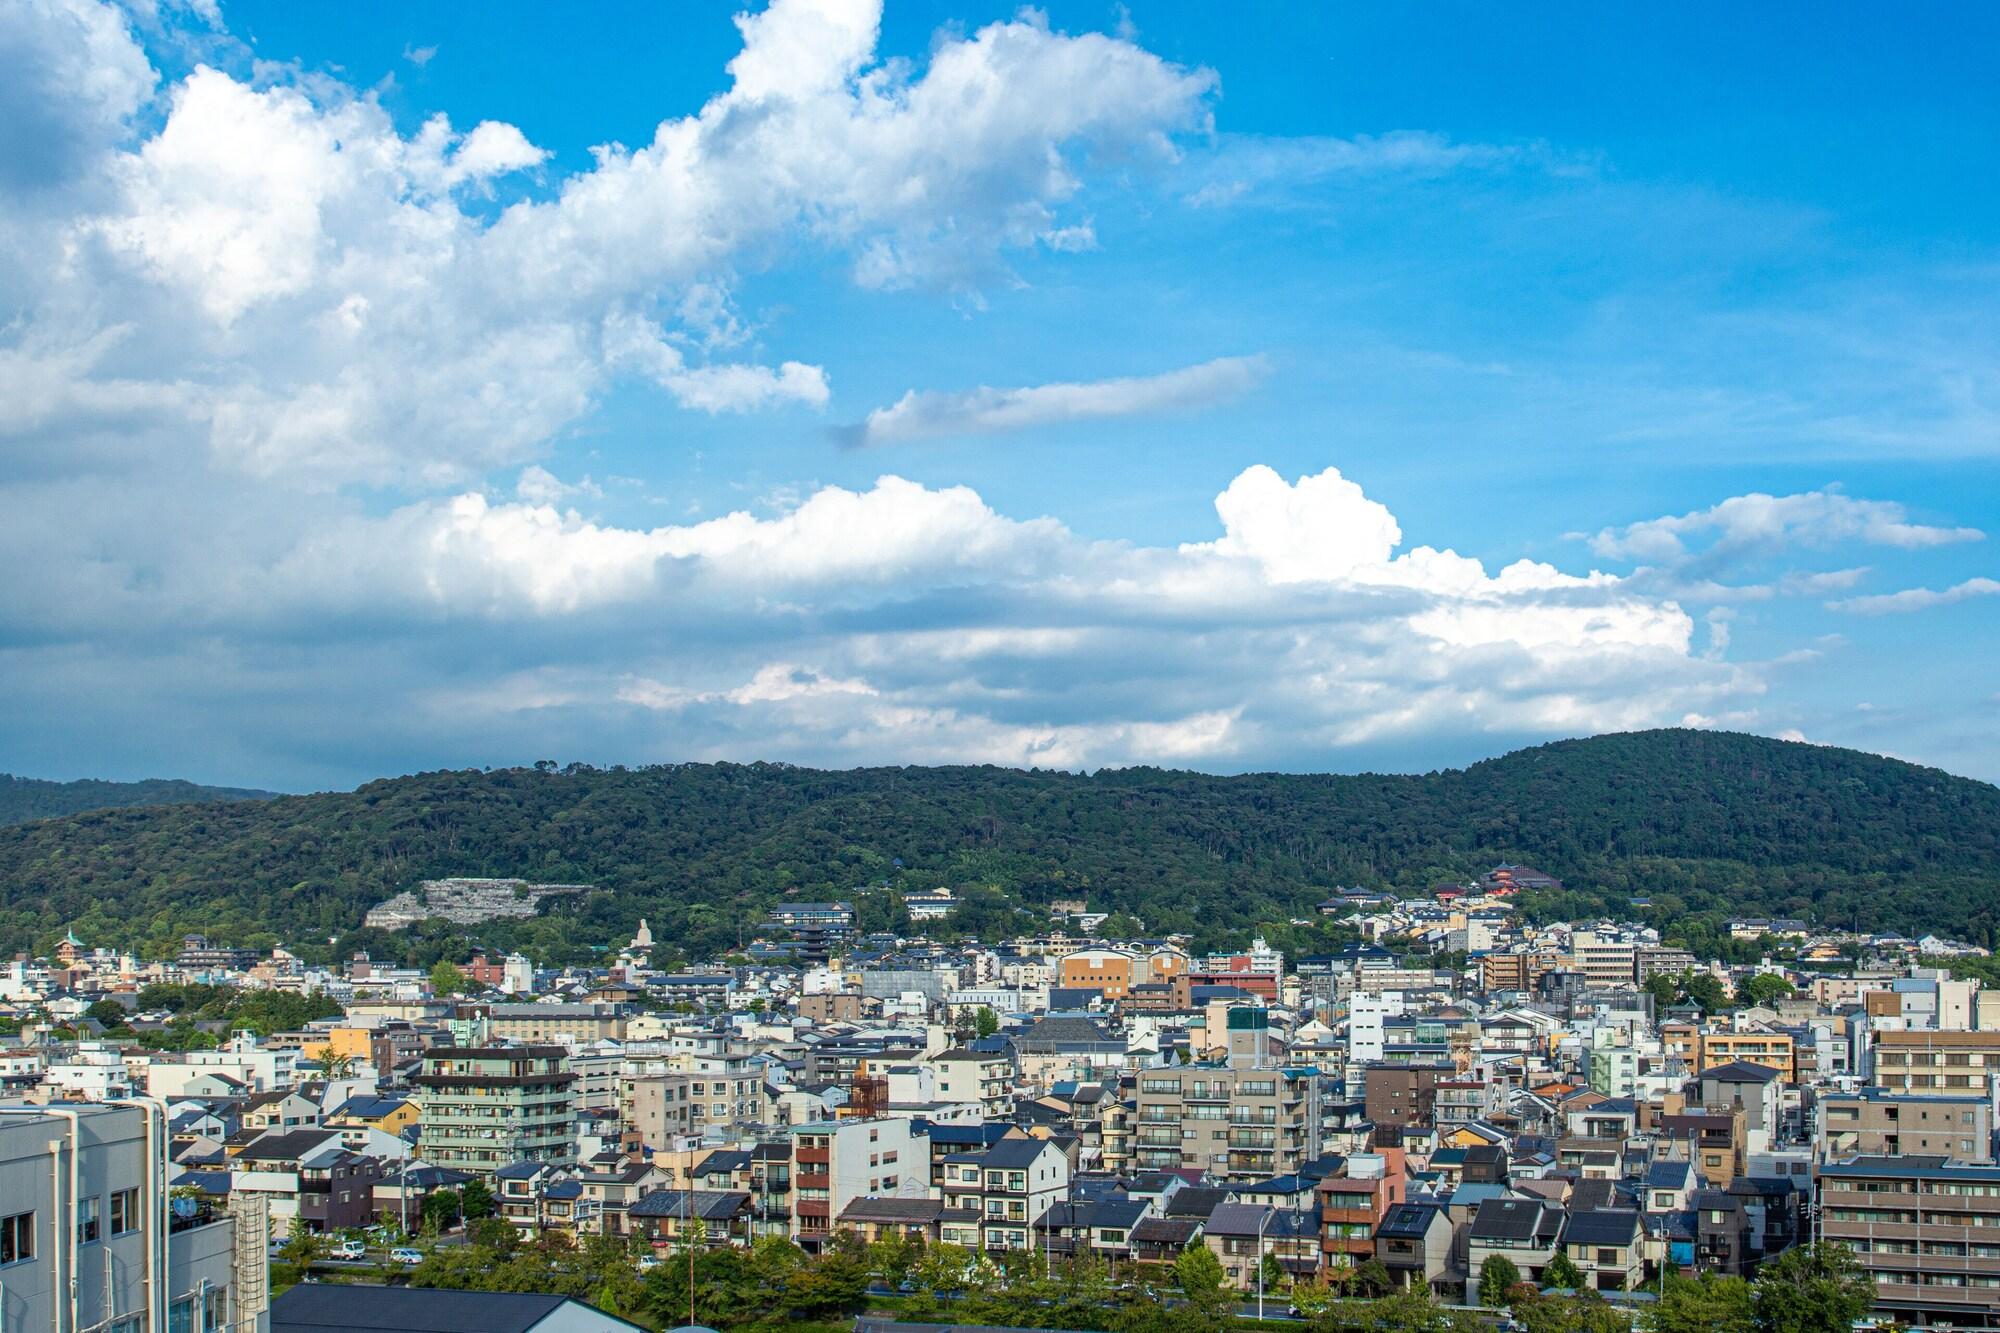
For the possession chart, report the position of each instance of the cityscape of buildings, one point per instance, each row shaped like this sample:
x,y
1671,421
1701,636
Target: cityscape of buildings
x,y
1455,1084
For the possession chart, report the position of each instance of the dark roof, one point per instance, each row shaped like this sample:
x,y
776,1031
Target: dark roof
x,y
1739,1071
1409,1220
1196,1201
1908,1167
1602,1226
1515,1219
341,1308
709,1205
1117,1212
1239,1219
1167,1231
1670,1173
901,1211
289,1145
724,1160
1007,1154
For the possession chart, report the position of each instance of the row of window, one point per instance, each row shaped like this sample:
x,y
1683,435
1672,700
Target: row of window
x,y
17,1230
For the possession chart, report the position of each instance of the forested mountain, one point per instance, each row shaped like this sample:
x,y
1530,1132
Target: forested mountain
x,y
1704,824
23,799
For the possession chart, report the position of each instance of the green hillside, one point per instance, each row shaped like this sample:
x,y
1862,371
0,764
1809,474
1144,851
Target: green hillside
x,y
1705,824
23,799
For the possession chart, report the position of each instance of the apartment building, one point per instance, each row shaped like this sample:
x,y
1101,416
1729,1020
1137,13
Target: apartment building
x,y
835,1162
1771,1050
1928,1233
655,1110
85,1220
482,1107
1400,1095
1514,971
984,1077
1935,1062
1233,1124
1874,1121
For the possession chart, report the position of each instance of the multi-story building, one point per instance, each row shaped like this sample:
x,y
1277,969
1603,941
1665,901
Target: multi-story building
x,y
1233,1124
1514,971
835,1162
572,1024
1460,1101
479,1108
654,1110
1928,1233
1007,1188
1353,1202
1772,1050
1606,961
1400,1095
1873,1121
85,1222
985,1077
1935,1062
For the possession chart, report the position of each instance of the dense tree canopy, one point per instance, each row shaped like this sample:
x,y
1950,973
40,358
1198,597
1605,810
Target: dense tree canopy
x,y
1701,825
23,799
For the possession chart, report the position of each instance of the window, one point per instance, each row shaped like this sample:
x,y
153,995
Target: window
x,y
124,1211
1607,1256
215,1309
180,1316
89,1225
17,1238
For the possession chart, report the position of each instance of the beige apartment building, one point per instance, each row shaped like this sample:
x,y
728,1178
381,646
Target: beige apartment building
x,y
1936,1062
655,1109
1235,1124
1874,1122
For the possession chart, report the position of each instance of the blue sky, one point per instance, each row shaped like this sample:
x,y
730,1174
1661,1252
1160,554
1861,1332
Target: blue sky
x,y
965,386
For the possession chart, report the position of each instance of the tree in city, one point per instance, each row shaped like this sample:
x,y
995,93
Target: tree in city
x,y
1583,1312
1710,1303
985,1022
1764,988
475,1201
1415,1312
1497,1276
334,1065
302,1246
1372,1280
1198,1273
1563,1273
442,1210
1811,1289
107,1014
448,979
1703,989
1273,1273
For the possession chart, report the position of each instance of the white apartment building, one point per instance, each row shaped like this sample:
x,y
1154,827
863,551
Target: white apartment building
x,y
89,1239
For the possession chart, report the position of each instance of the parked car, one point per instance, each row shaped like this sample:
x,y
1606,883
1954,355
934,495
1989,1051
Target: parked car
x,y
404,1254
354,1250
648,1262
